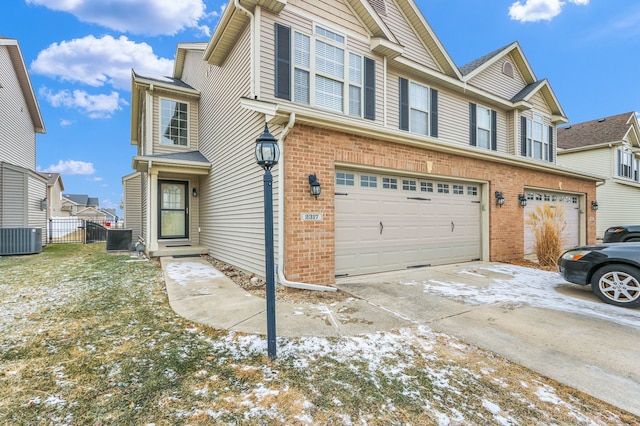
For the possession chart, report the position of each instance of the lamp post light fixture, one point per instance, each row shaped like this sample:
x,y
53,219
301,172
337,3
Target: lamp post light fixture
x,y
499,198
523,200
594,205
267,155
314,185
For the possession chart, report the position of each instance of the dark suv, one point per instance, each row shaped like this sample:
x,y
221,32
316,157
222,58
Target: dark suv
x,y
622,234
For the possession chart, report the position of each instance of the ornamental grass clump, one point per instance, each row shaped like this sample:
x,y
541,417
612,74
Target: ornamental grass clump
x,y
547,224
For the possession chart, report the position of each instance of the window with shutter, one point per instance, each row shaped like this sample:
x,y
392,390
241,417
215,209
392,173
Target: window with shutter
x,y
325,73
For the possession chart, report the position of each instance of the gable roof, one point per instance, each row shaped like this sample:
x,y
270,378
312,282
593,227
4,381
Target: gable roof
x,y
17,60
544,88
614,129
476,66
52,178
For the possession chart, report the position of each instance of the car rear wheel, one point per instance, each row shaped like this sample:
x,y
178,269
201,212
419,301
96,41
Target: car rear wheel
x,y
617,285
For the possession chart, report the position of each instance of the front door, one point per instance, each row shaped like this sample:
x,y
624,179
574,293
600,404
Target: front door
x,y
173,209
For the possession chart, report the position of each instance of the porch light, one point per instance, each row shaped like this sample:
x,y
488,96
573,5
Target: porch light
x,y
499,198
523,200
594,205
194,192
267,150
314,185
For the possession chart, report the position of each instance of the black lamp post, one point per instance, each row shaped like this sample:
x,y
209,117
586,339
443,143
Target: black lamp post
x,y
267,156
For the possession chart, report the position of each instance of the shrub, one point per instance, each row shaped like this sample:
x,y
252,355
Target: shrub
x,y
547,223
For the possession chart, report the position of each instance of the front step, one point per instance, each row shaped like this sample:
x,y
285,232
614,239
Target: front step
x,y
186,250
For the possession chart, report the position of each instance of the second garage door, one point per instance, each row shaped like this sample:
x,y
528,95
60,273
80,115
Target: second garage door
x,y
569,203
386,223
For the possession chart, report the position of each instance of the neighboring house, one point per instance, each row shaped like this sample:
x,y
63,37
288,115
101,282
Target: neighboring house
x,y
609,147
83,207
22,190
55,187
411,151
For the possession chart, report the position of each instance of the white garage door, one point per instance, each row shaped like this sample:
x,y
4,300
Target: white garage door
x,y
386,223
571,207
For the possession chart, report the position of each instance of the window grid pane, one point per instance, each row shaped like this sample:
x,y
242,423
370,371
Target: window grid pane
x,y
328,93
173,121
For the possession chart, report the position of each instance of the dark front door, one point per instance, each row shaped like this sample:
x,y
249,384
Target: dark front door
x,y
173,209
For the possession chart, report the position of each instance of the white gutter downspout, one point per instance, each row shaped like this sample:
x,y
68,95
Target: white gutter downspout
x,y
283,280
252,90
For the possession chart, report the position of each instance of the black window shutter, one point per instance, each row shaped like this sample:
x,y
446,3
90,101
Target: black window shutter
x,y
404,104
283,62
551,143
433,128
369,89
523,136
472,125
619,163
494,133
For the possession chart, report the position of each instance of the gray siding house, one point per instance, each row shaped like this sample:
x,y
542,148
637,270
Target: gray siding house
x,y
412,151
22,190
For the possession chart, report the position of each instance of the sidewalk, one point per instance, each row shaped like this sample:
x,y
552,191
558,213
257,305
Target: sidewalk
x,y
199,292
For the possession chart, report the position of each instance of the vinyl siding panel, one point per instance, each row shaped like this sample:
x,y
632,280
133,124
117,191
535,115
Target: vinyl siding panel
x,y
17,134
36,191
495,81
413,48
144,186
14,197
231,200
619,203
133,197
453,114
333,13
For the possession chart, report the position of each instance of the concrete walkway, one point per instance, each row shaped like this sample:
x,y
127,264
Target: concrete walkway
x,y
199,292
593,355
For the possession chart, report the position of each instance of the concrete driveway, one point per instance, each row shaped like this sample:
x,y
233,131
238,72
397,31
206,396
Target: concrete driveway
x,y
531,317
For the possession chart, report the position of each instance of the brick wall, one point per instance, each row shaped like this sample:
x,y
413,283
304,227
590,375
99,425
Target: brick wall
x,y
309,246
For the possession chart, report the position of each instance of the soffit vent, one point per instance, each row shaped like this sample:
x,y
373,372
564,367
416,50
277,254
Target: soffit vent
x,y
380,6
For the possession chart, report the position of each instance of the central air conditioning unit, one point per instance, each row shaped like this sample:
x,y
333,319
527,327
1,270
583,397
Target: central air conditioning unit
x,y
15,241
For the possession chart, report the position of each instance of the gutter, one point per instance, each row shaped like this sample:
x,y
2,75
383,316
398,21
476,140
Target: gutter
x,y
280,269
252,37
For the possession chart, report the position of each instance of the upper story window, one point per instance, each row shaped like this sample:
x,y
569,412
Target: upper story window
x,y
482,127
418,108
536,138
173,122
325,73
628,165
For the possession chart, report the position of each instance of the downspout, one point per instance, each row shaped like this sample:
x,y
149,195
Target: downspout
x,y
283,280
252,89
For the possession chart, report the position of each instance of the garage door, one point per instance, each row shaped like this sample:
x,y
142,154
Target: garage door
x,y
568,202
386,223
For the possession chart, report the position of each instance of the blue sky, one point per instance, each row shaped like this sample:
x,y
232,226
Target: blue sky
x,y
80,54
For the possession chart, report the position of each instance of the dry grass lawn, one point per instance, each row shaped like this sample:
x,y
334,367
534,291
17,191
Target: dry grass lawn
x,y
88,338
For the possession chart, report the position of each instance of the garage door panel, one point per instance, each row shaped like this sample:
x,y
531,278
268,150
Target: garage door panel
x,y
570,205
416,228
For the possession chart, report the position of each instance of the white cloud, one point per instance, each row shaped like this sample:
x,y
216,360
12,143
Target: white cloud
x,y
150,17
71,167
95,106
98,61
539,10
65,122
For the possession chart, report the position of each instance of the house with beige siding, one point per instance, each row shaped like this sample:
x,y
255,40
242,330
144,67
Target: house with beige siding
x,y
610,147
412,152
22,190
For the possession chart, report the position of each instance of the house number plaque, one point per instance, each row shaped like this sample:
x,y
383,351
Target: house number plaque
x,y
311,217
